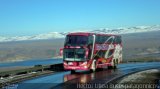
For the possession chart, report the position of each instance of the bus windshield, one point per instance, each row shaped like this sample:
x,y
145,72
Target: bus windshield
x,y
74,54
74,40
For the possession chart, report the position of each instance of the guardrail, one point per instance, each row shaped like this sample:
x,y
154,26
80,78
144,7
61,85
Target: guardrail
x,y
53,67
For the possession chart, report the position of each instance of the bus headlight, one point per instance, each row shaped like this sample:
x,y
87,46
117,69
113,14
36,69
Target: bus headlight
x,y
85,66
64,63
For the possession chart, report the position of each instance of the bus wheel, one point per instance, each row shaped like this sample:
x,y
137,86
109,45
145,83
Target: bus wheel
x,y
110,67
93,69
73,71
115,64
100,69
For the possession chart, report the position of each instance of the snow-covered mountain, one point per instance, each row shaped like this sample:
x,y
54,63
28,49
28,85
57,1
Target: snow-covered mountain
x,y
54,35
51,35
123,30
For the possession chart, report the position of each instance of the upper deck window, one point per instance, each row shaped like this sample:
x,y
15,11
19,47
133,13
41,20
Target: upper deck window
x,y
104,39
74,40
118,40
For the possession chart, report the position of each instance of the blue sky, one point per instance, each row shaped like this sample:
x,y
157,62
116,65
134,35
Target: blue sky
x,y
29,17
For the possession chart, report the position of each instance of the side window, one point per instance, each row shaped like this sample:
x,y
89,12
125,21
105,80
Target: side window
x,y
99,54
90,41
103,39
99,39
110,40
118,40
110,53
115,40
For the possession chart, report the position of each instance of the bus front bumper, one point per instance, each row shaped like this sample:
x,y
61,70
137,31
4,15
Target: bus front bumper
x,y
76,68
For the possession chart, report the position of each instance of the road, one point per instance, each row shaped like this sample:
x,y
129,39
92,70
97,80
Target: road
x,y
65,80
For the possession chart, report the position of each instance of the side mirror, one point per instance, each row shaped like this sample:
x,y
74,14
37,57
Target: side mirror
x,y
61,52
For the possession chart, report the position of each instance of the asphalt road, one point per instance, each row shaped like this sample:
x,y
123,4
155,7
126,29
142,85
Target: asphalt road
x,y
65,80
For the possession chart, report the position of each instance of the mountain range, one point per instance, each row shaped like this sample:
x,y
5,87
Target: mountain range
x,y
54,35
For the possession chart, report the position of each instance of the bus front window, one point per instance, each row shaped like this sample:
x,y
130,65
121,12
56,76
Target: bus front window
x,y
76,40
74,54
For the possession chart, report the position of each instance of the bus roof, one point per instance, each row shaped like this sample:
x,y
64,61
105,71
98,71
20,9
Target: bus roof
x,y
91,33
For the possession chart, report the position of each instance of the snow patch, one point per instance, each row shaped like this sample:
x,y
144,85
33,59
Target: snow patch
x,y
55,35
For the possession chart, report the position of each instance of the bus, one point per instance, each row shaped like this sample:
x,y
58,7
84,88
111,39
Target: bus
x,y
91,51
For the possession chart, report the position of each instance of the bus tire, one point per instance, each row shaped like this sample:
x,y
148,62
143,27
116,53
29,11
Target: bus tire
x,y
115,64
110,67
73,71
100,69
93,69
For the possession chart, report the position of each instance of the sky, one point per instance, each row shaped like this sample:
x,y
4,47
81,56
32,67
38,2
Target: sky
x,y
30,17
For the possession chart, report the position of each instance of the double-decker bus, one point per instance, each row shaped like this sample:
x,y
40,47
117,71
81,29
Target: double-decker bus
x,y
90,51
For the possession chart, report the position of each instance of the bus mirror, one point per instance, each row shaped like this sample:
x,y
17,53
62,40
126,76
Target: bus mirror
x,y
61,52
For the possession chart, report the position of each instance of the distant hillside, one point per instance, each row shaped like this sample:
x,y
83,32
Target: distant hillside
x,y
140,46
145,45
24,50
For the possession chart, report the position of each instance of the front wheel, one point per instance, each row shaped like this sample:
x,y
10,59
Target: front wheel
x,y
93,69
